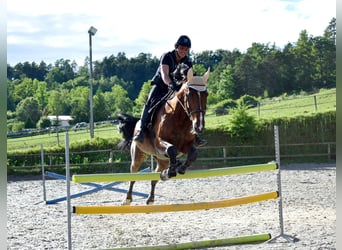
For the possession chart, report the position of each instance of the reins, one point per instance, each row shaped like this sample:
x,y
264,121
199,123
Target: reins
x,y
187,109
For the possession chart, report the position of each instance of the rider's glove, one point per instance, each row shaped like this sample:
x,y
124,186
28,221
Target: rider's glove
x,y
174,86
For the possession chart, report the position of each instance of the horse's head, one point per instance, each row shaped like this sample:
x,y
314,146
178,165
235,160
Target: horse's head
x,y
196,99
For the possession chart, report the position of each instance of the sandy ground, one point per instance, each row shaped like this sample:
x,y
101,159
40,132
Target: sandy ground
x,y
309,206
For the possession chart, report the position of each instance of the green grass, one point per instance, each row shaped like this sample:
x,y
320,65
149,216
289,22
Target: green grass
x,y
284,106
51,140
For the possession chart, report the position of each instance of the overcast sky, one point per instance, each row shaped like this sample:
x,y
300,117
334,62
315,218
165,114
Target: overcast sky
x,y
49,30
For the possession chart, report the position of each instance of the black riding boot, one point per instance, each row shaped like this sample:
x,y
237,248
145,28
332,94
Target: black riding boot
x,y
199,142
143,124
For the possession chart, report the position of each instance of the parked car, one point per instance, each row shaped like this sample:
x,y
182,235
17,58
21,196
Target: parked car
x,y
80,125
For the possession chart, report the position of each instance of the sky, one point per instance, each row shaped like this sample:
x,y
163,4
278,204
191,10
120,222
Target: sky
x,y
49,30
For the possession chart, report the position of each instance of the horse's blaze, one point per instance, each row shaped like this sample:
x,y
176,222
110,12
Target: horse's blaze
x,y
198,123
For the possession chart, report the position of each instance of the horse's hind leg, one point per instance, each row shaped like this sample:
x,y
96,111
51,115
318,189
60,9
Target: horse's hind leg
x,y
161,165
150,199
138,158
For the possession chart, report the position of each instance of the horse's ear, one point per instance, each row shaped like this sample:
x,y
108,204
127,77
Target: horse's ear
x,y
190,75
206,75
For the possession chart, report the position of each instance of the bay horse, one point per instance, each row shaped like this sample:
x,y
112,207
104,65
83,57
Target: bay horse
x,y
174,126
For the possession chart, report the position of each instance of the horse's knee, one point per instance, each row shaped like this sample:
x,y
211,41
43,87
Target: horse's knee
x,y
172,153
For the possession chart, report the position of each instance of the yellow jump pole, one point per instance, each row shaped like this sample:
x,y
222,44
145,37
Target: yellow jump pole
x,y
173,207
121,177
257,238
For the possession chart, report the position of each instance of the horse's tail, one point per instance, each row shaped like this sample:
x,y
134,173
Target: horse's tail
x,y
126,127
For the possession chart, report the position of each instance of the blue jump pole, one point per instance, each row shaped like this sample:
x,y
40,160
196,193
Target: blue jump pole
x,y
97,187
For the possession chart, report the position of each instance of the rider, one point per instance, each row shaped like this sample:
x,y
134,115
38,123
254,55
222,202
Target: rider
x,y
162,81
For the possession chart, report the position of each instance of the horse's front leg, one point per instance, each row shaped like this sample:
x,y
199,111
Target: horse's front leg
x,y
129,197
171,151
191,157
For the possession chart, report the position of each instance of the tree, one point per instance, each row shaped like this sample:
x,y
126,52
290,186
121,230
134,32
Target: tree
x,y
79,103
269,73
142,97
325,53
41,94
28,109
61,72
199,69
57,103
100,108
245,77
304,62
122,102
23,90
226,87
44,122
11,103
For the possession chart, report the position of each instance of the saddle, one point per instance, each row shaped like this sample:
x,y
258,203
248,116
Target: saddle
x,y
179,76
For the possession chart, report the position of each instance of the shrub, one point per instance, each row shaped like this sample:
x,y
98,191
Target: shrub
x,y
241,124
248,101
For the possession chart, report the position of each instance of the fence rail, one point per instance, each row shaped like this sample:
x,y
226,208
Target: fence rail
x,y
218,154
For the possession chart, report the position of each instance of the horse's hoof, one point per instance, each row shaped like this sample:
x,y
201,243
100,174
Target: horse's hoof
x,y
164,176
126,202
181,169
167,174
149,203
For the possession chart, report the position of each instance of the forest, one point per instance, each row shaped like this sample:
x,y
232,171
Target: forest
x,y
121,84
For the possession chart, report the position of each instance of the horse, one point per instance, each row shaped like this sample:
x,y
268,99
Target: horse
x,y
172,134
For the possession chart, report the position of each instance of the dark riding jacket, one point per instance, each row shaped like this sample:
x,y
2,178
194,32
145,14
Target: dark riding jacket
x,y
159,88
168,58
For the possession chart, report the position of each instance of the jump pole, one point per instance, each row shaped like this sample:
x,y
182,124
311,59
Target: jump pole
x,y
174,207
190,174
258,238
43,171
282,234
67,175
97,188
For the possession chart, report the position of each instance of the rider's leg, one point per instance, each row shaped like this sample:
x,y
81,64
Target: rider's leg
x,y
199,142
143,124
145,115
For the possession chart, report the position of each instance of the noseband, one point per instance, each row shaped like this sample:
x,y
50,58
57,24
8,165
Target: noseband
x,y
187,107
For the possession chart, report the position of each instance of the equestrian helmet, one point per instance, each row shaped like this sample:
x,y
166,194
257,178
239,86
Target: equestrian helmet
x,y
183,41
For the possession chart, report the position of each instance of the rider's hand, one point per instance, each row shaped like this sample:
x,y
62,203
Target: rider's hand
x,y
174,86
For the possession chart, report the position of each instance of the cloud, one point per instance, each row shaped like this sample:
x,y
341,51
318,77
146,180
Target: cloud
x,y
50,30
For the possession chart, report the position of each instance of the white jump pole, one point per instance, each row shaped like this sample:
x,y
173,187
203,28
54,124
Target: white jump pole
x,y
43,171
280,199
67,175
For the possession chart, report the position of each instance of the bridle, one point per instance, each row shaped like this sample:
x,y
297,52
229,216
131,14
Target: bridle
x,y
187,107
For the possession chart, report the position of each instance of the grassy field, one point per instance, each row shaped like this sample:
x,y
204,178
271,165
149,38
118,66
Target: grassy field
x,y
287,106
51,140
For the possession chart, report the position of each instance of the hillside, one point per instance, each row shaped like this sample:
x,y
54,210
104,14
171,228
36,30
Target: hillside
x,y
283,106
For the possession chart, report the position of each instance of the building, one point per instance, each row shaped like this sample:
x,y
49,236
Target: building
x,y
63,120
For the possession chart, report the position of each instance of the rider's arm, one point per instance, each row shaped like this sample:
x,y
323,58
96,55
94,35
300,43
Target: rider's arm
x,y
165,74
